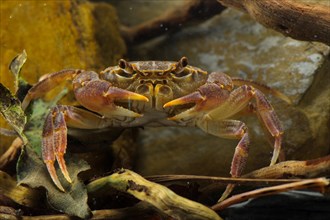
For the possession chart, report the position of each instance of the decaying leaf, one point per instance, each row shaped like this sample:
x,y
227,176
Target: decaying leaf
x,y
10,109
32,171
16,66
20,194
17,63
158,195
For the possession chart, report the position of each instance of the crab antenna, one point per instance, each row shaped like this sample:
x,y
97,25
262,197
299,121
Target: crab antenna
x,y
125,65
181,64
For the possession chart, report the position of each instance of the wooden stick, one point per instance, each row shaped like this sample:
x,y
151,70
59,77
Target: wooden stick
x,y
289,169
310,183
296,19
283,172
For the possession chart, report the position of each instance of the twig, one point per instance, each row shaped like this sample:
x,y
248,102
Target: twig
x,y
310,183
270,174
11,152
290,169
299,20
224,180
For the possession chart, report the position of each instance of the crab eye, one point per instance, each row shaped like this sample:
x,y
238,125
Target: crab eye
x,y
126,69
180,70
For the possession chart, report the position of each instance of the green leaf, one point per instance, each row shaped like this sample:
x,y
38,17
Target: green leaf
x,y
10,109
32,171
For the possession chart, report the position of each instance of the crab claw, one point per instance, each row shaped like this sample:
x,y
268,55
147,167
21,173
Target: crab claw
x,y
207,97
195,97
117,94
54,144
100,96
121,94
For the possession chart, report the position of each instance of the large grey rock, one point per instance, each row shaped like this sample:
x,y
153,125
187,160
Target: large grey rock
x,y
234,43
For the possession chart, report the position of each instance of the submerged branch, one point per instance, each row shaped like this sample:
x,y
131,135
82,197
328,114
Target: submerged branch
x,y
304,184
296,19
276,174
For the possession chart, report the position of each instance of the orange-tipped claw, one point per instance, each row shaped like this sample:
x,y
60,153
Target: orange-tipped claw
x,y
53,175
100,96
195,97
118,94
61,163
54,142
121,94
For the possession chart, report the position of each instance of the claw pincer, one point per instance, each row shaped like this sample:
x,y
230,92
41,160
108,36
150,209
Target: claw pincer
x,y
100,96
54,142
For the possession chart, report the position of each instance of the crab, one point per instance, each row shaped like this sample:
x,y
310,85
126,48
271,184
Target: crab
x,y
155,93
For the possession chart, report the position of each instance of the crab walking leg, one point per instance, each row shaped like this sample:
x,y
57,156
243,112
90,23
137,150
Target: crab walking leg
x,y
239,99
47,84
231,129
267,114
54,136
262,87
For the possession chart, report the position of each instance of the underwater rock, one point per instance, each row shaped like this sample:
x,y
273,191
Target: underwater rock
x,y
57,35
234,43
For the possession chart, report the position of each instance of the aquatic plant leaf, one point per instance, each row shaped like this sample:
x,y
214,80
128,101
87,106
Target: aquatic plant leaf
x,y
155,194
15,67
10,109
32,171
17,63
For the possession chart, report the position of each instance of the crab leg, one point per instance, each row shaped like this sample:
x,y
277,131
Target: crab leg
x,y
231,129
239,99
54,136
47,83
262,87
